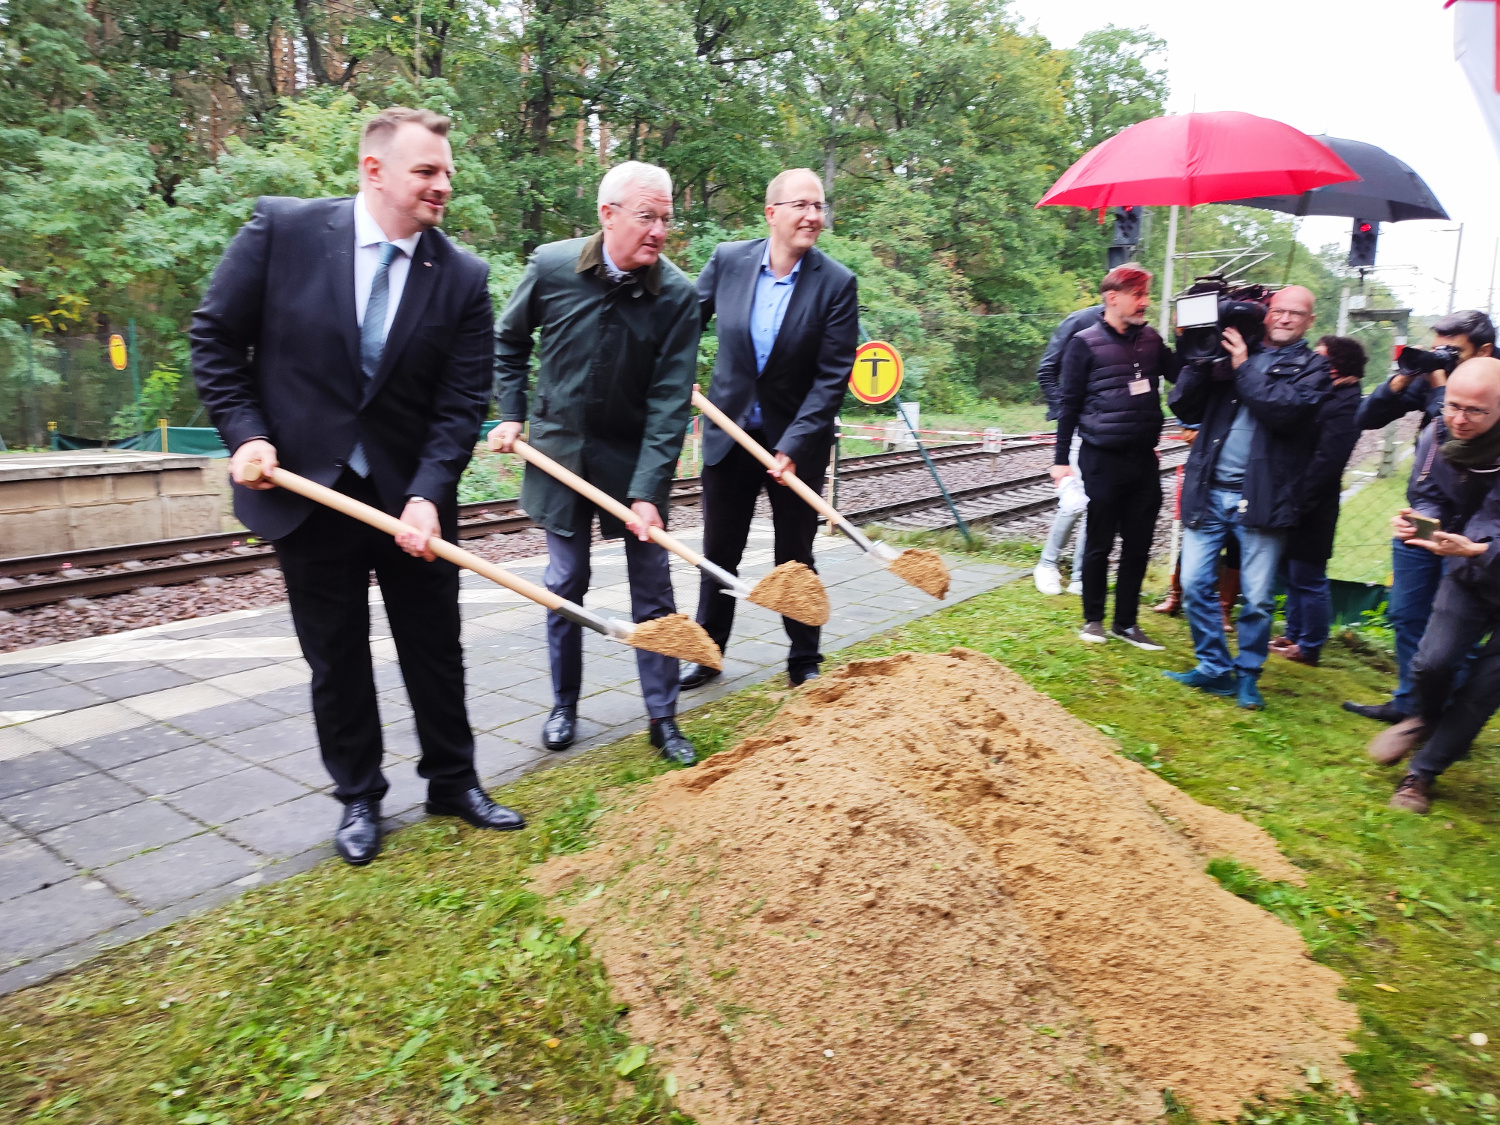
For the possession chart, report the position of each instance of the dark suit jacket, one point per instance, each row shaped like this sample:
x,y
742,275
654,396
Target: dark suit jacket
x,y
275,351
808,369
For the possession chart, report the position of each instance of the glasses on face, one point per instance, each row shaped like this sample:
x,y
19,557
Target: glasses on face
x,y
803,206
1470,413
1288,314
647,218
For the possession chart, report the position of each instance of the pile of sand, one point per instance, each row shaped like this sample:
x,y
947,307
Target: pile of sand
x,y
678,635
925,894
923,569
793,590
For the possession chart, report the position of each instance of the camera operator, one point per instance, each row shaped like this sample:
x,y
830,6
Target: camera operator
x,y
1111,396
1245,478
1046,577
1457,484
1419,384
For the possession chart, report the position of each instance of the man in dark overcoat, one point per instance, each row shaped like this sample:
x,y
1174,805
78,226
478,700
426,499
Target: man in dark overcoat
x,y
348,340
619,346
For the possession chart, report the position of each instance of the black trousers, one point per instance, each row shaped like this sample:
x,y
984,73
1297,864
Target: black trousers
x,y
1124,490
730,490
326,563
1458,622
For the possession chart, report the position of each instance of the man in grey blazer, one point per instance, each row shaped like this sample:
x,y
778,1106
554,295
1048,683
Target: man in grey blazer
x,y
788,326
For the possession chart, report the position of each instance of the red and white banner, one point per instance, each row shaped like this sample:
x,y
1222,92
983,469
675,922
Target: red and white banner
x,y
1476,36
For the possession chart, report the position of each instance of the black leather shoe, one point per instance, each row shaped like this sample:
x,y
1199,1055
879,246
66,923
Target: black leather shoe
x,y
797,679
358,837
672,743
474,806
1380,712
560,728
696,675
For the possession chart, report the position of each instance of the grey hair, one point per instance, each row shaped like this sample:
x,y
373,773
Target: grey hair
x,y
632,173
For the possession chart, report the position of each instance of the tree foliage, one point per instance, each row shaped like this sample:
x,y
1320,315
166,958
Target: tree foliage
x,y
135,135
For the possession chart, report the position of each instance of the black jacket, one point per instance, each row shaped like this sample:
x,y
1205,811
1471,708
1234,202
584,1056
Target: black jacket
x,y
275,348
1382,406
1466,501
1312,539
803,383
1284,392
1099,366
1048,368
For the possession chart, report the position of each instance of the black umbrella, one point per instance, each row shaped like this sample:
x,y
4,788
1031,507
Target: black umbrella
x,y
1387,190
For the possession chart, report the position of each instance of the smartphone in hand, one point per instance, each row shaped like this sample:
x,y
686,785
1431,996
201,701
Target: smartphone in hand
x,y
1425,527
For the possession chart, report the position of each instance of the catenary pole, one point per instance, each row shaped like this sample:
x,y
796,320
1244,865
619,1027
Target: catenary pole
x,y
1457,253
1166,276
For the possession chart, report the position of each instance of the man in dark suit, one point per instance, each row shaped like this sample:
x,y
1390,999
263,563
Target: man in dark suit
x,y
788,329
349,340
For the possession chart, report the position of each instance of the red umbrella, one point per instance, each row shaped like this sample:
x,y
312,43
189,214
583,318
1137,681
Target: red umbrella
x,y
1198,158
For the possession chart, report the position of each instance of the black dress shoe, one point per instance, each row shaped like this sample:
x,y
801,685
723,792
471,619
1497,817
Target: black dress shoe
x,y
672,743
475,807
560,728
358,837
797,679
1380,712
696,675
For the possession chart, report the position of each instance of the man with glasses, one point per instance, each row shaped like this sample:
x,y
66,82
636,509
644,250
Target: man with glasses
x,y
1415,574
788,329
1246,477
619,348
1458,468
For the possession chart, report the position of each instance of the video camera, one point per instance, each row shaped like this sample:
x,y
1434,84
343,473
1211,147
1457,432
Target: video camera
x,y
1417,361
1212,304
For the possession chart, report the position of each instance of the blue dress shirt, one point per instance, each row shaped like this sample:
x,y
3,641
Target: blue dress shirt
x,y
768,309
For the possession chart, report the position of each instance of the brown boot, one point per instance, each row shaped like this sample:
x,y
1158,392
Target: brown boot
x,y
1229,594
1414,794
1172,603
1396,742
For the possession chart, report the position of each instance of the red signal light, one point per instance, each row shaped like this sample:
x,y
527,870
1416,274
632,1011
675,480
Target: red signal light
x,y
1364,228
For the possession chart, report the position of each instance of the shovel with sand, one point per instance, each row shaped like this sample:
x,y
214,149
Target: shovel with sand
x,y
792,589
673,635
923,569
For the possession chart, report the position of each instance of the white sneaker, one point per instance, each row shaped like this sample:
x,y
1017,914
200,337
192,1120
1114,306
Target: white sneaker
x,y
1093,632
1047,580
1075,587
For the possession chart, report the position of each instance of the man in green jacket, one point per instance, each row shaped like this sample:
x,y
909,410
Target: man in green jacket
x,y
619,345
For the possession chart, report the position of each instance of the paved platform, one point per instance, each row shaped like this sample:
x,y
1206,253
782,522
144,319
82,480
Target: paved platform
x,y
150,774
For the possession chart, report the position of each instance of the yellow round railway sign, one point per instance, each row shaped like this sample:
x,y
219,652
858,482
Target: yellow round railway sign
x,y
117,354
877,372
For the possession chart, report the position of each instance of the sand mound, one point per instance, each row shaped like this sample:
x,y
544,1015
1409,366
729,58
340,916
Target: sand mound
x,y
678,635
794,590
927,894
923,569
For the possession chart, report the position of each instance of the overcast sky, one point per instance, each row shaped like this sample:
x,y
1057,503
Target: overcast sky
x,y
1380,71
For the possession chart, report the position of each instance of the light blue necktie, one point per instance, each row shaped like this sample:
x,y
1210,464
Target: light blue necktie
x,y
372,336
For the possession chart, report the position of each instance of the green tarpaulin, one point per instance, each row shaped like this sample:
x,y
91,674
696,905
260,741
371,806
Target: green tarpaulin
x,y
202,441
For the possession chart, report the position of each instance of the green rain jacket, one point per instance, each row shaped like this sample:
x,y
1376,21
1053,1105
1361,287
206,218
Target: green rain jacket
x,y
614,382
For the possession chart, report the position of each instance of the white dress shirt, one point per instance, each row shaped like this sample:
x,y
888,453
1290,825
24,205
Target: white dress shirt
x,y
367,239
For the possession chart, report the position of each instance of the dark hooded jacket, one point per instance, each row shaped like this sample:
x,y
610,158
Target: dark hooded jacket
x,y
1284,389
1466,501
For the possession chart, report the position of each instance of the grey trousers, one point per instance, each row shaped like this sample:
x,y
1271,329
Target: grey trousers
x,y
567,575
1064,522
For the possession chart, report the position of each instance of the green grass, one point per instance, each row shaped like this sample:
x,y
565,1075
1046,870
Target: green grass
x,y
434,986
1362,543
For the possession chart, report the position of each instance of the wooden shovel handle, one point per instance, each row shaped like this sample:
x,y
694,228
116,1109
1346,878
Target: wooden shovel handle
x,y
602,499
761,454
388,523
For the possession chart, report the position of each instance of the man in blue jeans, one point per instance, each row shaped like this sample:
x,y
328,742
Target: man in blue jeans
x,y
1245,477
1415,573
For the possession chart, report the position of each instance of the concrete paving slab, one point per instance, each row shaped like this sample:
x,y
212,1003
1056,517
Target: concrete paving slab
x,y
26,866
63,697
58,916
287,830
148,678
180,701
226,718
110,750
188,867
39,770
270,740
71,727
113,836
178,769
81,798
306,767
235,795
26,680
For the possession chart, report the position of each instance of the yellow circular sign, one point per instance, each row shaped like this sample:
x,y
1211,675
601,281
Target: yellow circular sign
x,y
117,352
877,372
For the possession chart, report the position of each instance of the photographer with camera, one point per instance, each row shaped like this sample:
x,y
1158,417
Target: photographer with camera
x,y
1258,410
1419,384
1455,517
1045,575
1111,396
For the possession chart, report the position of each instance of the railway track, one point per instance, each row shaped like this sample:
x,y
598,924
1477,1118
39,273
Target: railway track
x,y
42,579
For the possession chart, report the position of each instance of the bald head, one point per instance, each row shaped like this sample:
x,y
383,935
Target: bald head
x,y
1290,315
1471,404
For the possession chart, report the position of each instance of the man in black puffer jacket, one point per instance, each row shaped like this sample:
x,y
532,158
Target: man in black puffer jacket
x,y
1111,395
1246,477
